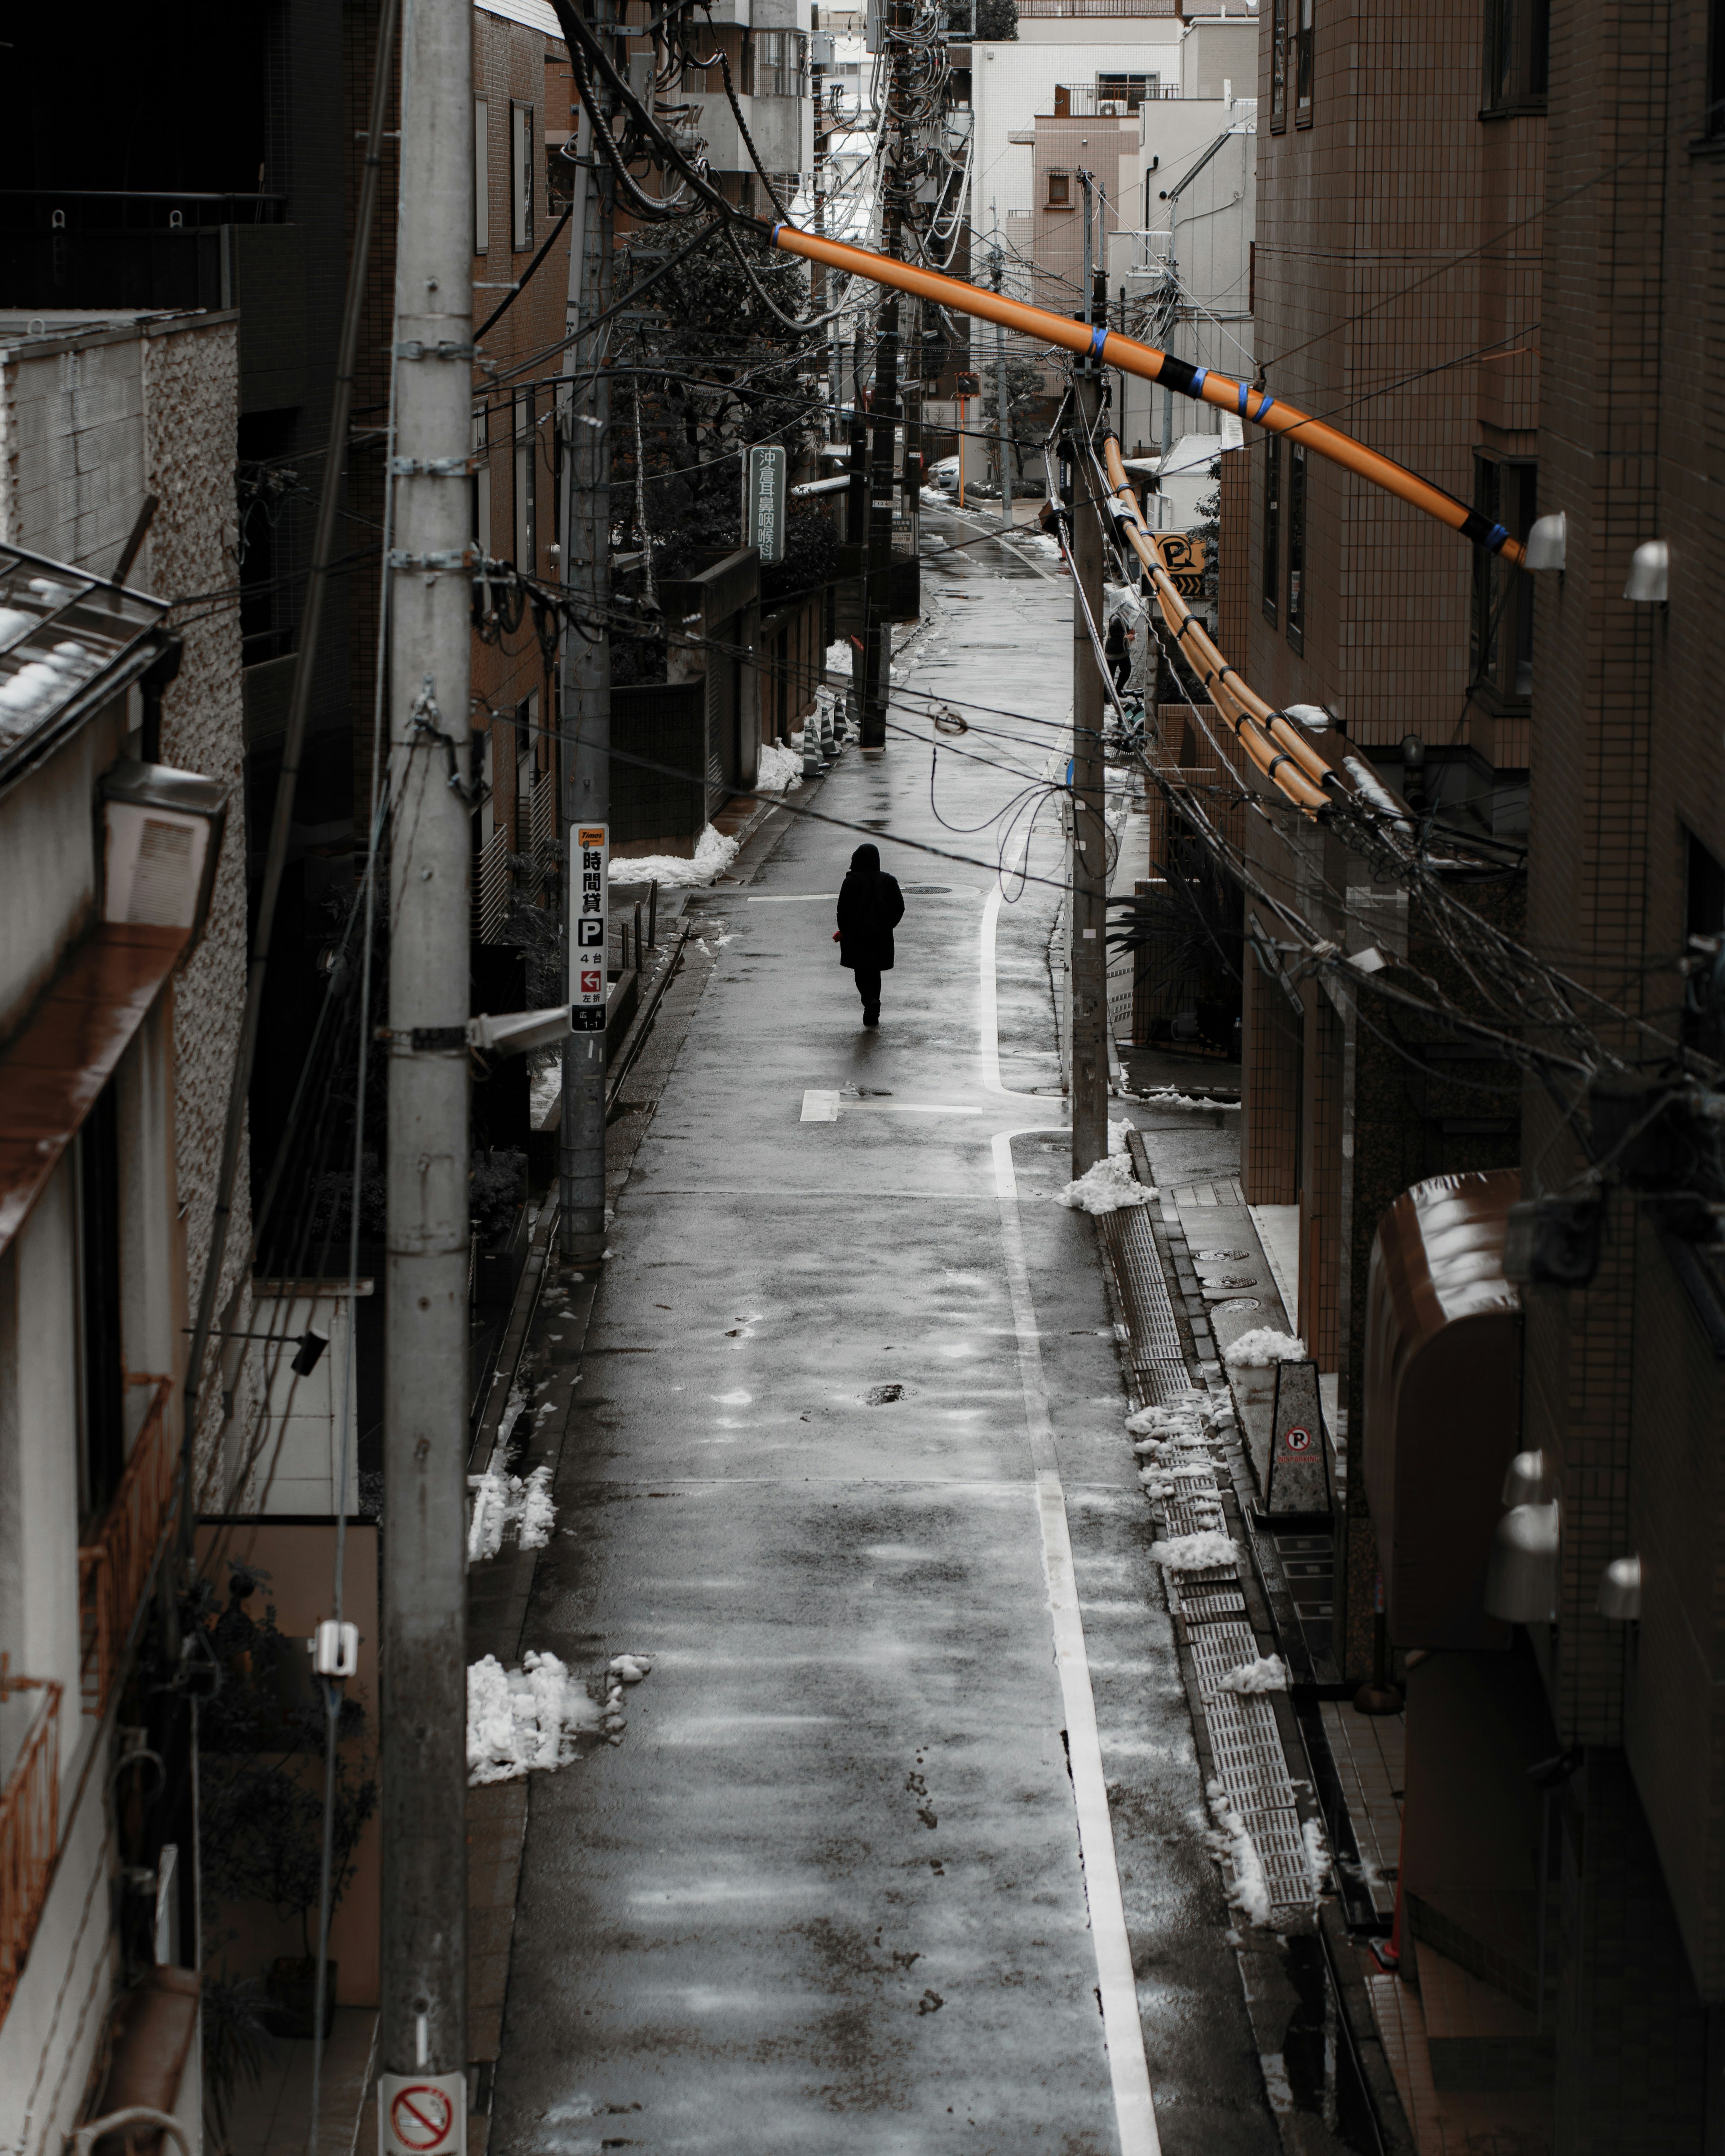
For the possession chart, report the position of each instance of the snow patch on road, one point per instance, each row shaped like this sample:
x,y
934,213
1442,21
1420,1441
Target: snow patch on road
x,y
1105,1188
1262,1345
1248,1889
1267,1673
502,1501
527,1720
1203,1551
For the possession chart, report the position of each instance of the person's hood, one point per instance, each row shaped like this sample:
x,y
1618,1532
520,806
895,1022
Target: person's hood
x,y
865,861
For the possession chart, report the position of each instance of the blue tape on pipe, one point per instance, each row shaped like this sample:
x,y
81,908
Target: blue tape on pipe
x,y
1496,536
1099,338
1244,391
777,230
1268,401
1200,376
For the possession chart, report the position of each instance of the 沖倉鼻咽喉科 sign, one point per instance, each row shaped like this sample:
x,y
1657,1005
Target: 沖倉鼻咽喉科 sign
x,y
763,479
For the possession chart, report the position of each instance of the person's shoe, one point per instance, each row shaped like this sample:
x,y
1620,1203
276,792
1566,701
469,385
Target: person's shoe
x,y
872,1015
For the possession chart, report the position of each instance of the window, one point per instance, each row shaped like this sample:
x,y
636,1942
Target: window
x,y
1516,53
482,444
1279,63
1272,526
521,176
1296,545
101,1454
1501,644
525,474
1126,91
1303,64
481,176
769,62
1703,915
1059,191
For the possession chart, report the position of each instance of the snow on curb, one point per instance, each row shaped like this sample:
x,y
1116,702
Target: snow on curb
x,y
713,854
527,1720
1266,1673
502,1502
1248,1889
1106,1188
1202,1552
1262,1345
1167,1098
779,768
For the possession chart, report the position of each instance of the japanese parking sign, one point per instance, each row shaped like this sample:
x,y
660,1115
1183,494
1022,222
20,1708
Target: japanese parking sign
x,y
589,871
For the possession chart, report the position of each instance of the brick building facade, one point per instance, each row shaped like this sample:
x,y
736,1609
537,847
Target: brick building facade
x,y
1487,245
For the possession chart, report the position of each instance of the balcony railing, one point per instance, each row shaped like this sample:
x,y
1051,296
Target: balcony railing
x,y
1089,8
29,1830
113,1570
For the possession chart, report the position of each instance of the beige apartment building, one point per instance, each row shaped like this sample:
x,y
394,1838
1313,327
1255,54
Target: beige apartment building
x,y
1559,1631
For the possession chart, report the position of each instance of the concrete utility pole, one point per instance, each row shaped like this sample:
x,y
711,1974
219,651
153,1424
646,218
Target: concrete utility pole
x,y
423,2029
996,270
877,632
586,689
1090,828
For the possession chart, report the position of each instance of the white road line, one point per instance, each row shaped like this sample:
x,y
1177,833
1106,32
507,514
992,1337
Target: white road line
x,y
1128,2068
819,1107
787,897
1122,2029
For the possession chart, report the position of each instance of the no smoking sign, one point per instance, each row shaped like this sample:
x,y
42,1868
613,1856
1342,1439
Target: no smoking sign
x,y
421,2114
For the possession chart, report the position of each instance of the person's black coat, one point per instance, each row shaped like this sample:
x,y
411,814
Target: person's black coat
x,y
870,906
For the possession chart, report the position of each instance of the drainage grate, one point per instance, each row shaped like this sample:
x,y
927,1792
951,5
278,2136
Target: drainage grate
x,y
1218,1649
1191,1519
1281,1848
1203,1605
1156,1336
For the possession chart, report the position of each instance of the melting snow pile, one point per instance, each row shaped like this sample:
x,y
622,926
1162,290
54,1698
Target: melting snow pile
x,y
1267,1673
1166,1097
1248,1889
713,854
779,768
1262,1345
1110,1183
521,1719
1202,1552
1317,1855
526,1720
502,1502
838,661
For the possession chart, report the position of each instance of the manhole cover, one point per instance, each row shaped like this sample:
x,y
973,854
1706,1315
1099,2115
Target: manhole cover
x,y
1218,1257
926,890
883,1396
1238,1302
1234,1280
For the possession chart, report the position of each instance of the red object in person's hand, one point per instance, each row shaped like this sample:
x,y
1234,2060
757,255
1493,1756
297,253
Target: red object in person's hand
x,y
835,935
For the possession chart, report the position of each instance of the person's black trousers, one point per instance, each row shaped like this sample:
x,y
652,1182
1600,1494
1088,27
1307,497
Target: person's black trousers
x,y
868,986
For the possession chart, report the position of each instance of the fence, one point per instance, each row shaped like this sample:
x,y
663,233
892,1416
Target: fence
x,y
490,886
113,1570
29,1831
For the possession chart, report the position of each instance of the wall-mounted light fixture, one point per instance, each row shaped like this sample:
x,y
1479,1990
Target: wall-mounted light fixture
x,y
1522,1572
1547,543
1650,577
1620,1590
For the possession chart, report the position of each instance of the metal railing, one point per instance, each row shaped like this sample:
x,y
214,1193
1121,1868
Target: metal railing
x,y
113,1570
1086,7
29,1830
490,886
1090,100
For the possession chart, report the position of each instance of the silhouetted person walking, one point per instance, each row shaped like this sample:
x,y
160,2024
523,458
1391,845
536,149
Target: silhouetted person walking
x,y
870,906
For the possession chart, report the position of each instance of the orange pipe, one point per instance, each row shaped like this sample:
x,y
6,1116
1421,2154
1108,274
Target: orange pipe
x,y
1150,365
1248,723
1219,676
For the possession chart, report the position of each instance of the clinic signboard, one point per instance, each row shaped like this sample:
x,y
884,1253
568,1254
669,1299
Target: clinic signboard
x,y
764,482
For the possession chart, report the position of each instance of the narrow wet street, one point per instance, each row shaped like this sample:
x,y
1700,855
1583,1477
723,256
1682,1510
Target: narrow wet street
x,y
904,1848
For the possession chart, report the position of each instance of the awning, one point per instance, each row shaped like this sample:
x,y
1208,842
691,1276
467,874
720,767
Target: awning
x,y
67,1051
1442,1403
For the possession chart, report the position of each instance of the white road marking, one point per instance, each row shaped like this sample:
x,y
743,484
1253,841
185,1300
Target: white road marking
x,y
819,1107
787,897
1122,2028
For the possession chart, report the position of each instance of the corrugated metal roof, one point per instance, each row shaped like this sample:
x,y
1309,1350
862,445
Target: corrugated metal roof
x,y
535,14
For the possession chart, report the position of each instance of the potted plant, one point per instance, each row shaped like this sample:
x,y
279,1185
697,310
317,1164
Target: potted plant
x,y
261,1791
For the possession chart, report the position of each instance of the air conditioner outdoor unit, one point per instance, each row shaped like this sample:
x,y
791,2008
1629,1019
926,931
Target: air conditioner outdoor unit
x,y
163,831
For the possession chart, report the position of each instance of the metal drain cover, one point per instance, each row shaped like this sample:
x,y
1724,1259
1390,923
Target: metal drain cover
x,y
1218,1257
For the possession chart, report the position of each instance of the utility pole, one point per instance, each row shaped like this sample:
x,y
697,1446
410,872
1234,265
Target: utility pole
x,y
877,632
585,686
423,2031
1090,828
997,272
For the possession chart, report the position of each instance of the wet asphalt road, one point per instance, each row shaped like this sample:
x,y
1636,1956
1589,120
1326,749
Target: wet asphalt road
x,y
827,1894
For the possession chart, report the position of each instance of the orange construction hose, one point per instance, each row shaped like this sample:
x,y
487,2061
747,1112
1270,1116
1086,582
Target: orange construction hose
x,y
1150,365
1219,676
1281,761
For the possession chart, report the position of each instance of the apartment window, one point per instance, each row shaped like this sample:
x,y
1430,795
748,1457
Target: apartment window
x,y
1125,91
481,176
1059,191
524,477
769,56
1302,63
521,176
1516,51
1505,491
101,1453
1272,527
1279,63
481,447
1296,545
